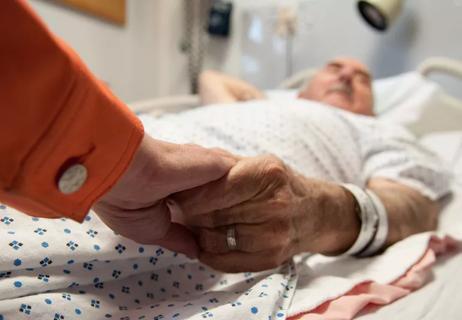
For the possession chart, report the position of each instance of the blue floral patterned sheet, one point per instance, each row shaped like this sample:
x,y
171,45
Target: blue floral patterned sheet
x,y
59,269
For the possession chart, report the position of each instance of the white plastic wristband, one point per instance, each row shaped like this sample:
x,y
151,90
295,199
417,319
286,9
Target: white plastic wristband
x,y
369,220
382,228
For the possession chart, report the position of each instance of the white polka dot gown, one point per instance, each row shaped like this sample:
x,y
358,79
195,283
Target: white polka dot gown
x,y
59,269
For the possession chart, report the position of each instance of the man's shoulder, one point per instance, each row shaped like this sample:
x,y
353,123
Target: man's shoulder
x,y
377,126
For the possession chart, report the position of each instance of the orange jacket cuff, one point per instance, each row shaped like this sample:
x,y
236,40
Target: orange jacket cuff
x,y
55,114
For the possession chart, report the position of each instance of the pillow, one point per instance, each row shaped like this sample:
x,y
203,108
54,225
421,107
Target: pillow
x,y
408,99
401,98
408,90
418,104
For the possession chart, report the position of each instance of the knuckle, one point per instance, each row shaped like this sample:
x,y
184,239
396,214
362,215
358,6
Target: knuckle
x,y
280,201
275,168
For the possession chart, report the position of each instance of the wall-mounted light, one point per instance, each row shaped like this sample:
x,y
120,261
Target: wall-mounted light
x,y
380,14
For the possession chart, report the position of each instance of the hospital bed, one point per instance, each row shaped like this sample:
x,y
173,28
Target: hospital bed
x,y
435,117
412,95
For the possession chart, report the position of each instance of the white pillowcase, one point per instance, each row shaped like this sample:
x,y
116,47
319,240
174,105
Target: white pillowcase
x,y
402,98
408,90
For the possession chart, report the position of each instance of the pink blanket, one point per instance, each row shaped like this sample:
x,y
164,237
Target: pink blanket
x,y
369,295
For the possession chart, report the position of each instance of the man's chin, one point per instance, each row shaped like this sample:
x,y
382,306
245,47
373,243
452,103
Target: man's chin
x,y
341,103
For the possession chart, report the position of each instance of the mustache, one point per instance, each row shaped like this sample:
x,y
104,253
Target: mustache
x,y
342,88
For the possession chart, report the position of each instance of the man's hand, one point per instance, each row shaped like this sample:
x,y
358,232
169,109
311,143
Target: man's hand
x,y
136,206
275,212
216,87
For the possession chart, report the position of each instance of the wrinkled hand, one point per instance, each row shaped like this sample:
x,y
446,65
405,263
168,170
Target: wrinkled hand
x,y
136,207
276,214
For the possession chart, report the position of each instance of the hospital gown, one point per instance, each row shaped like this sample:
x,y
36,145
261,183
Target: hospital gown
x,y
59,269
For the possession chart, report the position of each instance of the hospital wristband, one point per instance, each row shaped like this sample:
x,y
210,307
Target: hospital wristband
x,y
382,228
369,220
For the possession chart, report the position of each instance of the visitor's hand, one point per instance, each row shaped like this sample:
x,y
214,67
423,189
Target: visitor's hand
x,y
136,206
276,214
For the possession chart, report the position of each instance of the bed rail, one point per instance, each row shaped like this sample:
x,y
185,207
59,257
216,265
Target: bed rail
x,y
441,64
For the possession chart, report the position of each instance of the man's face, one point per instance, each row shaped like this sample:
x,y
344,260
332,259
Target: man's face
x,y
344,83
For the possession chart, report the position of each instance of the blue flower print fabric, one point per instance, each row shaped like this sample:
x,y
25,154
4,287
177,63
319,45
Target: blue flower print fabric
x,y
60,270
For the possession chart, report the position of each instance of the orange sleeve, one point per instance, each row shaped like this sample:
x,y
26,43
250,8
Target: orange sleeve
x,y
54,114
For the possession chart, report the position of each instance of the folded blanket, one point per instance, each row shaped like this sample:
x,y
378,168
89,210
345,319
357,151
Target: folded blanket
x,y
368,295
322,279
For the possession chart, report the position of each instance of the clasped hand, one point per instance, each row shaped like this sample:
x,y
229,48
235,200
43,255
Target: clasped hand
x,y
276,214
137,207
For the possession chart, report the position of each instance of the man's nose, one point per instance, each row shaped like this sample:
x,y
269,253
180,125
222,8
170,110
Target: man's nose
x,y
346,74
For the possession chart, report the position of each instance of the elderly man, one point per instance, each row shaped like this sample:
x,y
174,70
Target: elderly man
x,y
344,83
347,183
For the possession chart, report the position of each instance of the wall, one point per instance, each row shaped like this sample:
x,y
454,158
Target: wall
x,y
226,54
138,61
332,27
143,60
425,28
